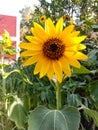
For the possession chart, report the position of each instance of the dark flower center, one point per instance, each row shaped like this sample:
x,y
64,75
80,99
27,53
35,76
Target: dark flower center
x,y
42,18
53,48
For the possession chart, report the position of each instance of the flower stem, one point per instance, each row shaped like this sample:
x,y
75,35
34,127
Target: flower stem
x,y
3,80
58,97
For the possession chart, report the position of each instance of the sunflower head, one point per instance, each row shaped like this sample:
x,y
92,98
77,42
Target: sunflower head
x,y
5,34
42,19
66,17
53,49
6,40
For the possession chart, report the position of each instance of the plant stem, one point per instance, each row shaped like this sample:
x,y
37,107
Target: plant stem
x,y
4,121
58,96
3,80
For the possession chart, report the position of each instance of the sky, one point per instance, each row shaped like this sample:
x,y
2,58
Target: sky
x,y
12,7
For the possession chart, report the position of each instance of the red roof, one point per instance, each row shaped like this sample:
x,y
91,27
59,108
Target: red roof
x,y
8,23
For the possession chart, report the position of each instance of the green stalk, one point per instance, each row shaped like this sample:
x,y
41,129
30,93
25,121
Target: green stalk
x,y
57,87
58,96
3,88
3,80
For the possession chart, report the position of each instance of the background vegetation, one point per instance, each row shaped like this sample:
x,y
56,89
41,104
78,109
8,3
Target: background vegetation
x,y
24,91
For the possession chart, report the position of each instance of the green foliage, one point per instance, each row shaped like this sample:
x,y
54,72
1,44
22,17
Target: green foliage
x,y
92,114
74,100
94,92
44,119
21,92
17,113
82,11
81,70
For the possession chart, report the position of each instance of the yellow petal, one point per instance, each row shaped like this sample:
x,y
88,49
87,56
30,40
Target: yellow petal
x,y
39,32
5,34
81,47
78,39
75,47
31,60
59,25
26,46
67,40
33,39
65,66
30,46
71,50
75,33
68,30
72,61
58,70
45,67
68,53
26,53
30,53
80,56
49,27
29,38
67,70
39,64
50,72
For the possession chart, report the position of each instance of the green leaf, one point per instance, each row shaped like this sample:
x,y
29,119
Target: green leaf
x,y
25,78
17,113
10,51
44,119
73,100
92,57
81,70
93,114
94,92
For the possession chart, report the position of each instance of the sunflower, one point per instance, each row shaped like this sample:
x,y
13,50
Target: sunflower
x,y
53,49
66,17
42,19
6,39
